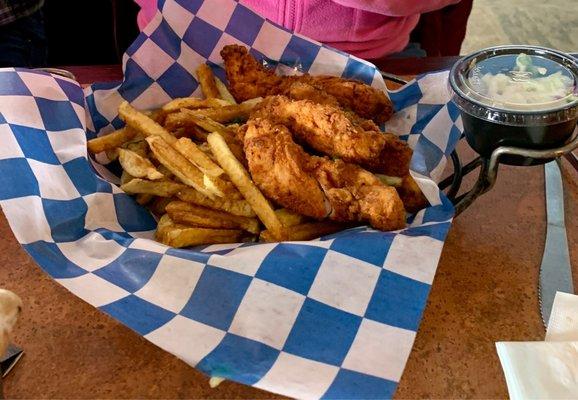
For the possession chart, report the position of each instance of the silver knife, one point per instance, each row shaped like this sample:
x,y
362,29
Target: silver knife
x,y
555,271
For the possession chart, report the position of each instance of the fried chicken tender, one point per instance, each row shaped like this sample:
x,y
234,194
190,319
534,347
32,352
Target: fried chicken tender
x,y
317,186
411,195
357,195
304,91
248,78
282,170
330,130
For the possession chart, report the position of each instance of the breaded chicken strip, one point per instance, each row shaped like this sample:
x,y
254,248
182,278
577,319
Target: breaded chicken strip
x,y
316,186
282,170
331,131
304,91
411,195
248,79
357,195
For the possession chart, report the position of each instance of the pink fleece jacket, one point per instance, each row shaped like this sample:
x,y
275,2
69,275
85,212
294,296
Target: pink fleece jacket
x,y
365,28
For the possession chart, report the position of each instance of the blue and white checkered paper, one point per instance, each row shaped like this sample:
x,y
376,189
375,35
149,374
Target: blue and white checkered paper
x,y
330,318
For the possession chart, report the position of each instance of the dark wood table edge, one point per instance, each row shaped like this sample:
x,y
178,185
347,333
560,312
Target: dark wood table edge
x,y
86,74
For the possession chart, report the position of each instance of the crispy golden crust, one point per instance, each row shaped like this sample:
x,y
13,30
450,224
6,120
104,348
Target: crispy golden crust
x,y
393,159
316,186
330,130
412,197
279,167
304,91
357,195
365,101
248,79
330,115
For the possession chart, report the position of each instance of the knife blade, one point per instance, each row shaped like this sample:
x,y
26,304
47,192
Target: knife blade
x,y
555,270
9,359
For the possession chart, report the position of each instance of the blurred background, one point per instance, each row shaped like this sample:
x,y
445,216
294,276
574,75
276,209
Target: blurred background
x,y
107,27
549,23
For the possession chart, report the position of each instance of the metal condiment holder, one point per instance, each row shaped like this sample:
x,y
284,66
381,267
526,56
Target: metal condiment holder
x,y
489,166
489,170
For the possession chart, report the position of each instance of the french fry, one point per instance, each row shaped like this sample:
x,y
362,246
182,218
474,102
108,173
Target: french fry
x,y
197,133
251,103
144,198
394,181
288,217
163,170
140,147
190,150
224,92
140,122
137,166
179,132
156,115
229,113
193,117
125,178
177,236
306,231
241,179
213,126
158,205
141,198
186,213
207,81
204,147
111,141
236,207
181,124
177,121
112,154
164,222
222,185
192,132
158,188
175,162
193,102
204,122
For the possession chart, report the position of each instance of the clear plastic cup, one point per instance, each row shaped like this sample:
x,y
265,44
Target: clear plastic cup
x,y
521,96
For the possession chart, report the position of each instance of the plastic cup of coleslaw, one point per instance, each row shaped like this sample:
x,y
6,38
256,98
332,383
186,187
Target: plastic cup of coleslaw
x,y
521,96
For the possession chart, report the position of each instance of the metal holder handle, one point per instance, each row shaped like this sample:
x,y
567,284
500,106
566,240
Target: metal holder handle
x,y
489,170
393,78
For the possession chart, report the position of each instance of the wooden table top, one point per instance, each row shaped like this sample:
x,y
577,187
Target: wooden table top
x,y
485,291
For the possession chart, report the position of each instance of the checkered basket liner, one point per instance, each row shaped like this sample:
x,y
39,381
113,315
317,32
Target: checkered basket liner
x,y
330,318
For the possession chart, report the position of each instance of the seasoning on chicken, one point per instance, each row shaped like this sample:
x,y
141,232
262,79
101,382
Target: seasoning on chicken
x,y
282,170
249,79
330,130
317,186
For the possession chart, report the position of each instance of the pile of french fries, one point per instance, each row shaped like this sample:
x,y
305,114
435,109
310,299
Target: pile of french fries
x,y
186,164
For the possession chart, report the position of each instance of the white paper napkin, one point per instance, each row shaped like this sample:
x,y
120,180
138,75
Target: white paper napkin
x,y
563,324
545,370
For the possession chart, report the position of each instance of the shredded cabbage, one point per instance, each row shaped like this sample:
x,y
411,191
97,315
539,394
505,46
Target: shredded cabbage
x,y
526,84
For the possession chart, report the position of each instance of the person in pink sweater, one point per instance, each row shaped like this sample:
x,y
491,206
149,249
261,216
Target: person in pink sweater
x,y
368,29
